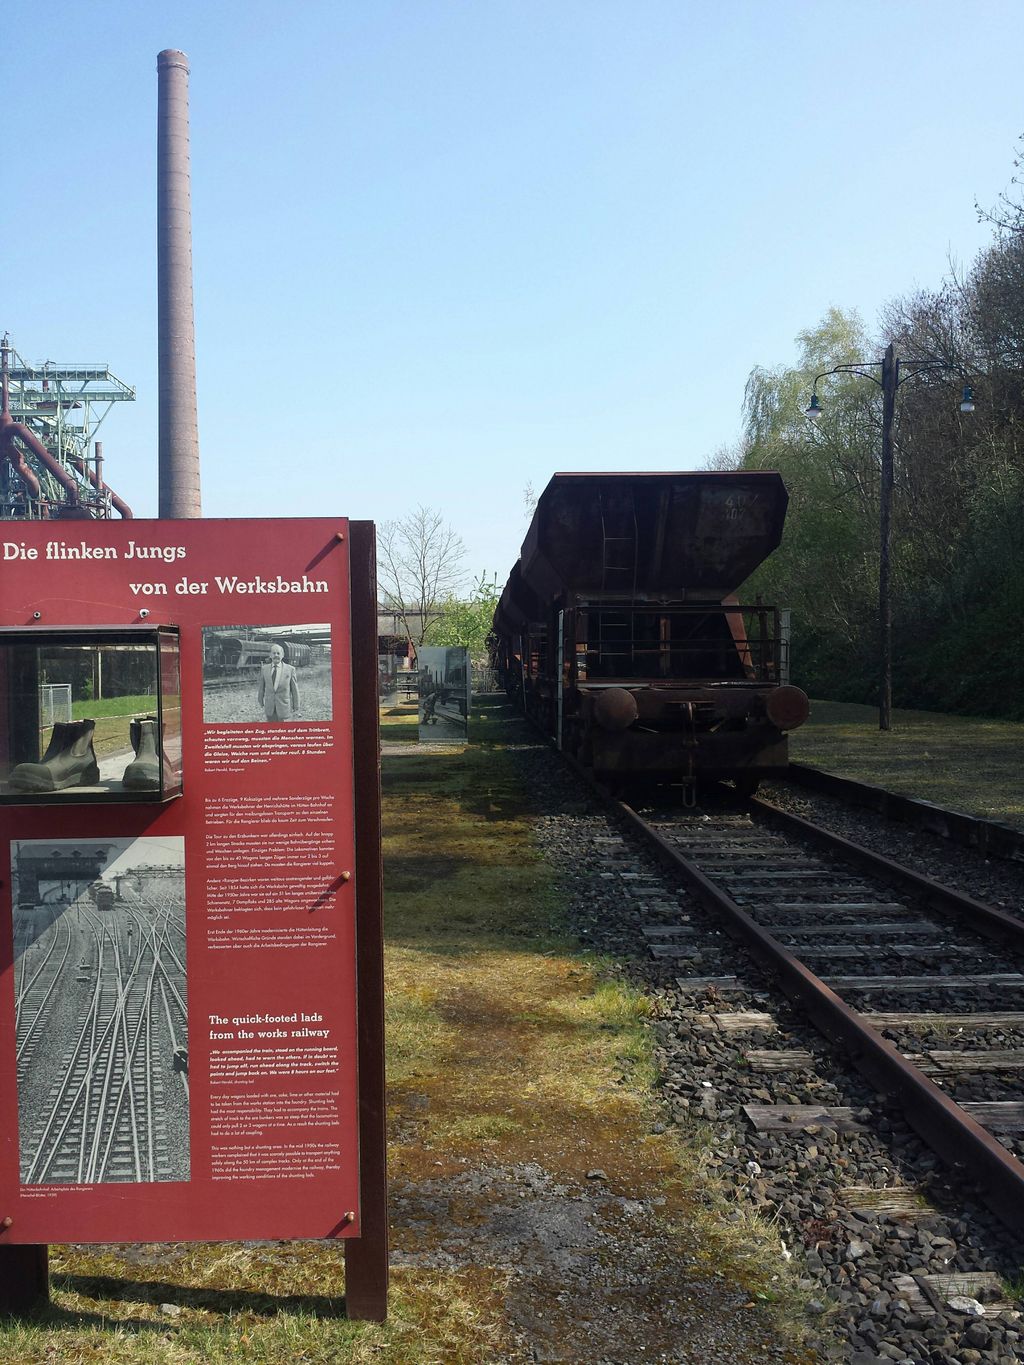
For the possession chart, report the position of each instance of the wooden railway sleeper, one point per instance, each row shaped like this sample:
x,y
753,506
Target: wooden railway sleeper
x,y
948,1128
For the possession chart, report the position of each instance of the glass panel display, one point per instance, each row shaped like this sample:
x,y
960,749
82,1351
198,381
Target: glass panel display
x,y
170,713
89,716
443,694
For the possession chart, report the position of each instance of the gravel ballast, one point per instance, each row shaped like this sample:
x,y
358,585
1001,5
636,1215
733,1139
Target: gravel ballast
x,y
882,1286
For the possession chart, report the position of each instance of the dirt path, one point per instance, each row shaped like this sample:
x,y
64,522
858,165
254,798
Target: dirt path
x,y
526,1147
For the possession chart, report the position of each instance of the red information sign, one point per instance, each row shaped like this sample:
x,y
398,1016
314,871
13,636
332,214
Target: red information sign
x,y
178,1043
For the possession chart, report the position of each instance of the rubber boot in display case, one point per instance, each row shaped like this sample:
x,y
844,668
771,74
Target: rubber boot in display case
x,y
143,773
69,761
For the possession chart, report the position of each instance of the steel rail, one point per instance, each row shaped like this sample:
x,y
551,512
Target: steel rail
x,y
131,983
99,935
23,995
27,984
63,1093
154,945
160,931
112,1035
991,838
984,919
139,1035
943,1125
162,945
175,1044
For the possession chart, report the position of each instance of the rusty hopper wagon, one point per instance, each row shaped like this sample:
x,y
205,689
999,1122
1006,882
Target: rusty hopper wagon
x,y
620,631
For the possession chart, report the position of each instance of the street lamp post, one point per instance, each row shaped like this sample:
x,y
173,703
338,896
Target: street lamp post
x,y
890,382
891,378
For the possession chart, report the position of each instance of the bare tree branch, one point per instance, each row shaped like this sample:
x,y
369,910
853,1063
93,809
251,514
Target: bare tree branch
x,y
419,567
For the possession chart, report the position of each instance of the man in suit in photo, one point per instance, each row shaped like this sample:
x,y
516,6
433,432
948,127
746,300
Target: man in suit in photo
x,y
278,691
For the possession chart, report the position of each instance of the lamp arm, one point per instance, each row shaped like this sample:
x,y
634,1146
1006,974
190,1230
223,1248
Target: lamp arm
x,y
910,369
864,370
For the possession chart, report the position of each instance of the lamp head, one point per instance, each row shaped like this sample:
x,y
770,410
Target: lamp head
x,y
813,409
967,401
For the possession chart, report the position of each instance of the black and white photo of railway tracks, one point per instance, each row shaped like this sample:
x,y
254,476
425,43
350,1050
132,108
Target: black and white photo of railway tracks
x,y
100,1005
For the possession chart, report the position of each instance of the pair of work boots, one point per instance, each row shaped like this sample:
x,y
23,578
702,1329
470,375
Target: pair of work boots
x,y
70,759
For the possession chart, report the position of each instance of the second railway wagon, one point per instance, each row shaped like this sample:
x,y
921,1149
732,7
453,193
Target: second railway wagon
x,y
230,655
620,631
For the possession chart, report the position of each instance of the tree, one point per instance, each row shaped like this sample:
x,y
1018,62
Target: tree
x,y
419,569
1007,215
957,559
468,623
958,508
826,568
962,483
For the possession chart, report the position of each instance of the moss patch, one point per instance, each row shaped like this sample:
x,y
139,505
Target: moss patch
x,y
511,1051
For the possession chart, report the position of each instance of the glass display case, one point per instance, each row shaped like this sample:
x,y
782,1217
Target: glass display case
x,y
89,715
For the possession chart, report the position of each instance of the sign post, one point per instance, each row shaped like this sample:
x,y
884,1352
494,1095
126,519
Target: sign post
x,y
366,1258
191,996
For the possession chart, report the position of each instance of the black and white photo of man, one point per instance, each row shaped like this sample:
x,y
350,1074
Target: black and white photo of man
x,y
278,691
253,674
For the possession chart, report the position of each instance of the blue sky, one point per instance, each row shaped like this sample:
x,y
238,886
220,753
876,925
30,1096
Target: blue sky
x,y
445,249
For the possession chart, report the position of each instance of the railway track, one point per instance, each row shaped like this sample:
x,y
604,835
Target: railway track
x,y
991,838
105,1114
36,995
240,681
922,985
897,1246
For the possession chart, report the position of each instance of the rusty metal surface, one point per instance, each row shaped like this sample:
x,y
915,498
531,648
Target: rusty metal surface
x,y
787,707
119,505
947,1129
669,755
695,533
626,582
366,1257
11,432
615,709
518,604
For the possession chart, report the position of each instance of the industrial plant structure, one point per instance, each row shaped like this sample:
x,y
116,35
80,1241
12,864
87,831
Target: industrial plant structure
x,y
51,465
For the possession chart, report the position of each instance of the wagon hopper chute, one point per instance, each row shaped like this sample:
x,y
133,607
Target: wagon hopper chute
x,y
620,628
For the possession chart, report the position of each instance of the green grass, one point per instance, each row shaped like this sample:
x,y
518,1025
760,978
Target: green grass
x,y
230,1304
506,1045
963,762
112,716
144,704
400,724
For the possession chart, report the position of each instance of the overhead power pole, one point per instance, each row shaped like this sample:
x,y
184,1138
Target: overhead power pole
x,y
179,423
